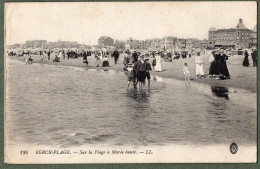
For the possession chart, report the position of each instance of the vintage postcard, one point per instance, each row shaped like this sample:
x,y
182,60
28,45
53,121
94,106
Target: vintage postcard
x,y
131,82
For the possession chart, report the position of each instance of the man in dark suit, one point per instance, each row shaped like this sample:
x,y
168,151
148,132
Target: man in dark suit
x,y
116,56
254,57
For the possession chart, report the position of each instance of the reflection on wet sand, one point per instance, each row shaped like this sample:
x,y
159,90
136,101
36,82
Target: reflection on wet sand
x,y
139,96
220,91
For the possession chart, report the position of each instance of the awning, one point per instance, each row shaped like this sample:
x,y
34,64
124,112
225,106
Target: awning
x,y
224,43
218,44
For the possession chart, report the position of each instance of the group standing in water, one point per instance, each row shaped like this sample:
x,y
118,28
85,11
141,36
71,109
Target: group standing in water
x,y
138,70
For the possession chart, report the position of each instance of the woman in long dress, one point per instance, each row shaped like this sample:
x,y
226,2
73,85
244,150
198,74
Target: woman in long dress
x,y
199,65
246,61
60,55
223,69
158,66
213,69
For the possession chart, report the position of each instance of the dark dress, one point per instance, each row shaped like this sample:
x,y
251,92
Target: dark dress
x,y
134,57
254,58
105,64
214,66
85,58
246,61
223,69
116,56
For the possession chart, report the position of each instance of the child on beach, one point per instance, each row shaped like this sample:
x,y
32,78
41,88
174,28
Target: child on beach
x,y
149,68
186,74
130,74
98,58
28,59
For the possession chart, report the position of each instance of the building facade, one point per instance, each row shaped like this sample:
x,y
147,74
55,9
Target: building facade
x,y
168,42
152,44
62,44
253,43
36,44
238,37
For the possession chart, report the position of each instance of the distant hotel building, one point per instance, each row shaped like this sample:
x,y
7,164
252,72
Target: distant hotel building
x,y
153,44
253,43
238,37
62,44
36,43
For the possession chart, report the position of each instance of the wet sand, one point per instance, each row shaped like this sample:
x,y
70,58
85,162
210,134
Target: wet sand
x,y
241,77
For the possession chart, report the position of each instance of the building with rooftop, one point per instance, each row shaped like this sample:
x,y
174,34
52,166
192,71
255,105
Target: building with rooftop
x,y
238,37
253,43
36,44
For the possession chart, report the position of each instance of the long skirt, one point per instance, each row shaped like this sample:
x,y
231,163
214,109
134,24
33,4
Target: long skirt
x,y
158,66
105,64
199,69
246,62
224,69
214,68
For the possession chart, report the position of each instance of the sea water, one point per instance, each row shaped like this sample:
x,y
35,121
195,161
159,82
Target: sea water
x,y
69,106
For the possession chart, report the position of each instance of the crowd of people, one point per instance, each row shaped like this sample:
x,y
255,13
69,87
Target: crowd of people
x,y
218,65
138,67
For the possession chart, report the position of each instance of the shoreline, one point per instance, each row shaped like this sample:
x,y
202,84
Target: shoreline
x,y
241,77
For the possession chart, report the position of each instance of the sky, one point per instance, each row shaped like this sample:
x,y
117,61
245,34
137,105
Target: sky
x,y
86,22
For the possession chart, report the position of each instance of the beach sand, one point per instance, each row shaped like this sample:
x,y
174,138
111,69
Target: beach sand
x,y
241,77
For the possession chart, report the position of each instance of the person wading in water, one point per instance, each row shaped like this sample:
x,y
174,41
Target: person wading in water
x,y
141,72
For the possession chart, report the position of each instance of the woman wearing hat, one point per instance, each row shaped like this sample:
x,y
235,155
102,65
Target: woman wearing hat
x,y
246,61
199,65
158,66
213,68
223,65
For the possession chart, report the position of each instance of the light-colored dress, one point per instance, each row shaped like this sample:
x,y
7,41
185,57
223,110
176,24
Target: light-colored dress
x,y
211,59
158,66
60,55
199,65
186,71
27,59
